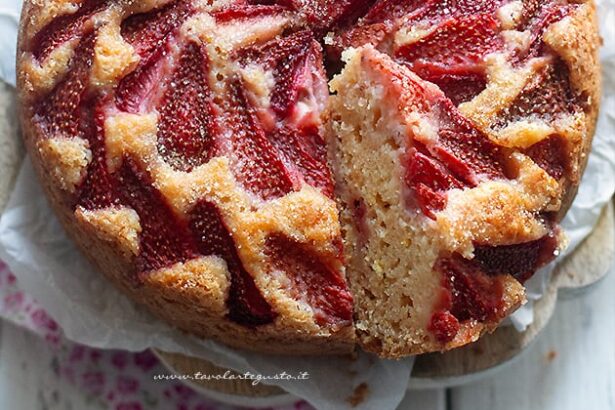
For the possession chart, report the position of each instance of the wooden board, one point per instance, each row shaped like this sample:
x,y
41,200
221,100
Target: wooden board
x,y
585,267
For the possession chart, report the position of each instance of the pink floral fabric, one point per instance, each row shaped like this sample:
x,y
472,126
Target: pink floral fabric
x,y
110,379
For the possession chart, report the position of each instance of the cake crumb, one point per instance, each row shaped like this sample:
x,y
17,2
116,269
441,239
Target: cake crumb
x,y
359,395
551,356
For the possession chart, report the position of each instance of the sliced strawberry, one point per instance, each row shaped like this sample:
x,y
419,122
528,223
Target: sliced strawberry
x,y
245,302
519,260
474,295
323,286
379,22
546,97
458,87
324,15
390,10
246,11
453,55
440,9
64,28
186,126
444,326
59,113
538,16
164,239
466,151
305,150
456,49
430,181
287,58
257,165
150,34
551,154
98,189
461,156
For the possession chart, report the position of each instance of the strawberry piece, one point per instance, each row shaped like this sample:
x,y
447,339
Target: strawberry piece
x,y
454,51
246,11
150,34
546,97
287,58
257,165
458,87
59,113
246,305
69,111
389,10
440,9
519,260
474,295
551,154
98,189
164,239
444,326
65,28
186,128
323,286
325,15
466,151
537,17
460,157
430,181
305,150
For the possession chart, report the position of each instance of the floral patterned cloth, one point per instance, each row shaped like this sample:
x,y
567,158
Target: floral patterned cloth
x,y
109,379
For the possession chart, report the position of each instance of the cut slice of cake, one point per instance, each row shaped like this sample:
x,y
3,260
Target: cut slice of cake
x,y
442,225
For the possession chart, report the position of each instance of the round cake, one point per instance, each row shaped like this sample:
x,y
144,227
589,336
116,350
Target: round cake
x,y
309,176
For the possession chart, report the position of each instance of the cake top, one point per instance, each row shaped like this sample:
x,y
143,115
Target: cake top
x,y
183,142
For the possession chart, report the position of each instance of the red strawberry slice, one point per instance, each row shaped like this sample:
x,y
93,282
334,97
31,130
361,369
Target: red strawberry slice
x,y
186,128
546,97
461,156
458,87
456,48
257,165
440,9
519,260
552,155
305,150
430,181
467,152
64,28
389,10
444,326
246,11
287,58
59,113
538,16
245,302
164,239
324,15
324,287
150,34
474,295
98,189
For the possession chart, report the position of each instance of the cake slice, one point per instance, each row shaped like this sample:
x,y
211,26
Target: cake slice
x,y
441,224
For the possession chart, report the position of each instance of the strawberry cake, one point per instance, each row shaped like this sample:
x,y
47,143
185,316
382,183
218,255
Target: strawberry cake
x,y
308,176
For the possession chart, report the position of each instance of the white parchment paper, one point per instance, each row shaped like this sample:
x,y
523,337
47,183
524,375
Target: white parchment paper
x,y
92,312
